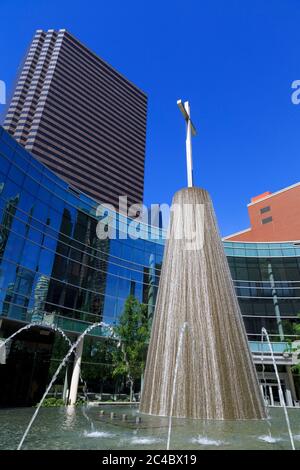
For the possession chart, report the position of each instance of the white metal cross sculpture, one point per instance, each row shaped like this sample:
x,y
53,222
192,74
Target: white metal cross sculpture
x,y
190,130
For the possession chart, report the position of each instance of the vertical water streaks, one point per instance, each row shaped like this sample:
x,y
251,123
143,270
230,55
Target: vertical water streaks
x,y
216,378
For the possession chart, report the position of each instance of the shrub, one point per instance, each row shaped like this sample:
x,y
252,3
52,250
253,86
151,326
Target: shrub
x,y
50,402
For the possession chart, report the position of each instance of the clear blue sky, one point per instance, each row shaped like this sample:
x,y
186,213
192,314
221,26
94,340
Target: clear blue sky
x,y
234,60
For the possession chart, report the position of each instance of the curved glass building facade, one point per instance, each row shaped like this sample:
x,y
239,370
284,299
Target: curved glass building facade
x,y
53,266
267,281
266,277
54,269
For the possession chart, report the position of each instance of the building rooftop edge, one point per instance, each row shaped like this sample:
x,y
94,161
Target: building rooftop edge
x,y
65,31
236,233
274,194
282,242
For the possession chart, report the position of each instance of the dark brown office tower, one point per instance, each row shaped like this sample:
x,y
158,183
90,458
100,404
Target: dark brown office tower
x,y
81,118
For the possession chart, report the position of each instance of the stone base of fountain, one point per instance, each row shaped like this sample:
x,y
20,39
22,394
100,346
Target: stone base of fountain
x,y
216,378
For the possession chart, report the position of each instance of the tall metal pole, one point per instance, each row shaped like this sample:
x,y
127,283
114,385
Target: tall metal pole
x,y
190,130
188,143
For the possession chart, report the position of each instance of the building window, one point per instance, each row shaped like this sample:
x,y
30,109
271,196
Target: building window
x,y
267,220
265,209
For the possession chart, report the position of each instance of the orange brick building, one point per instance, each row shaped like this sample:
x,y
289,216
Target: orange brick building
x,y
273,217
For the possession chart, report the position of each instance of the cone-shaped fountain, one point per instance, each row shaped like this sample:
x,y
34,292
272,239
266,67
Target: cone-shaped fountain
x,y
215,375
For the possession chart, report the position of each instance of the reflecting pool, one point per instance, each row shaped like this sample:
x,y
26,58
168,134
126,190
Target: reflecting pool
x,y
85,428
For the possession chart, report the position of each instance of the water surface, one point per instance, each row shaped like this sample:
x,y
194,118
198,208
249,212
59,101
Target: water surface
x,y
84,428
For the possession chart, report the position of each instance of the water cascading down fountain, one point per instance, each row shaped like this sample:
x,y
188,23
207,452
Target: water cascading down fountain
x,y
215,374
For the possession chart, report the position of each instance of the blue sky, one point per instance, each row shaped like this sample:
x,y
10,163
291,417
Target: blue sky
x,y
235,62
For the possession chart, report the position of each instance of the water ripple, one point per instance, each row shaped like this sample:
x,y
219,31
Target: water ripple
x,y
270,439
205,441
145,440
98,434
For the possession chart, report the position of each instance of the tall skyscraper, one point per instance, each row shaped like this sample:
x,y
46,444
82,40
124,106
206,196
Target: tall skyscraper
x,y
81,118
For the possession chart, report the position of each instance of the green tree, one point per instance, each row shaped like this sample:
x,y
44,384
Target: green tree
x,y
98,358
296,328
133,331
292,331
